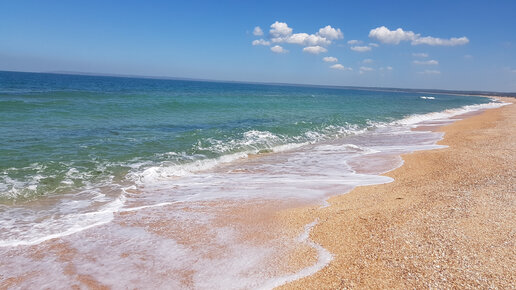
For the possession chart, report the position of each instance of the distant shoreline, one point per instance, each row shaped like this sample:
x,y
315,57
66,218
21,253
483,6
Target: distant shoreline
x,y
380,89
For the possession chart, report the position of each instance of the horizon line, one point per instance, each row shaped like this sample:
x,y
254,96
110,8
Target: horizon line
x,y
390,89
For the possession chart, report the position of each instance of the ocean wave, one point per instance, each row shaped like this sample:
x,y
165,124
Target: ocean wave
x,y
252,142
21,228
79,213
418,118
257,142
37,179
40,179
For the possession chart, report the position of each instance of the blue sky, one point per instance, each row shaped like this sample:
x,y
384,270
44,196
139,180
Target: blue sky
x,y
467,45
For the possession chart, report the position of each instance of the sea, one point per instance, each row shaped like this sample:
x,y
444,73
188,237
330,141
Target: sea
x,y
145,183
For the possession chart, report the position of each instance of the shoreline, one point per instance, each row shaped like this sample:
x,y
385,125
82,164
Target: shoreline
x,y
394,235
261,226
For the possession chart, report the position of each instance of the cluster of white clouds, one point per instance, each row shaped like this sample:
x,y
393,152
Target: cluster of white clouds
x,y
385,35
281,33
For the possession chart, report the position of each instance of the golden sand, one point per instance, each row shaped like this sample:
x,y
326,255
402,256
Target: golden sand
x,y
447,221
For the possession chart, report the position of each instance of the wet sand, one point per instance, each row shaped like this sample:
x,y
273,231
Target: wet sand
x,y
447,221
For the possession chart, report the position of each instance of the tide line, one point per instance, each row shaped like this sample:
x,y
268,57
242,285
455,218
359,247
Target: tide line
x,y
324,258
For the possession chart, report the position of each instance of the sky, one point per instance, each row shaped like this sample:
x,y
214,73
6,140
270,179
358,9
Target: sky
x,y
458,45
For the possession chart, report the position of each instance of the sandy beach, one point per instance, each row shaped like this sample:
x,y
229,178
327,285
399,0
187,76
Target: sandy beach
x,y
447,221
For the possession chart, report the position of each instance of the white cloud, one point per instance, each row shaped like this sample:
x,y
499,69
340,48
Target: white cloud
x,y
354,42
278,49
361,48
303,39
426,62
384,35
367,60
280,29
468,56
364,69
330,33
340,67
257,31
261,42
439,41
280,32
420,54
315,49
330,59
430,72
373,44
317,40
298,38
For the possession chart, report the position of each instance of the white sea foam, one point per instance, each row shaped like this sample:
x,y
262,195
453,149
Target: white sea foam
x,y
255,142
249,141
157,173
418,118
324,257
22,227
353,148
427,98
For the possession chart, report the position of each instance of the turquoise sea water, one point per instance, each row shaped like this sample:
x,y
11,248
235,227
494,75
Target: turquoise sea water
x,y
64,133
